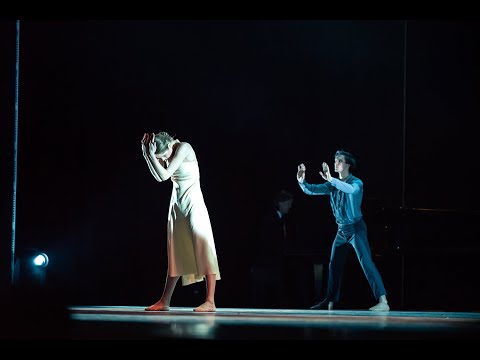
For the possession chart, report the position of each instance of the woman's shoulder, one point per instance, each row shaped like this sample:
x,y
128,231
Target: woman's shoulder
x,y
184,143
188,149
185,146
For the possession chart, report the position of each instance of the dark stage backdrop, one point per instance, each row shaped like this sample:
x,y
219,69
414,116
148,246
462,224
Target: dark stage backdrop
x,y
255,99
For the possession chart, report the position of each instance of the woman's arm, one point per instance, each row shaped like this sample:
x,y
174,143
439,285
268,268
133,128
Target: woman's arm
x,y
145,143
151,167
183,149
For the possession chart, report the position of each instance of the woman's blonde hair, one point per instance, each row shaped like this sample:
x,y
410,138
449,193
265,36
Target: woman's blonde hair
x,y
162,140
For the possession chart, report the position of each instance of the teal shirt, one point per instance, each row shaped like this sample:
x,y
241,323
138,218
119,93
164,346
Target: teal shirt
x,y
345,197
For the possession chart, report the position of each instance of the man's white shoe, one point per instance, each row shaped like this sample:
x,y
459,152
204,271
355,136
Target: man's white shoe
x,y
381,306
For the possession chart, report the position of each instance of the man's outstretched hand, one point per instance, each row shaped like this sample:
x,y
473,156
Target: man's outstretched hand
x,y
301,172
326,172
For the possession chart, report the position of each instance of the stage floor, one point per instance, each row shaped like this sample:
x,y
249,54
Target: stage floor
x,y
181,323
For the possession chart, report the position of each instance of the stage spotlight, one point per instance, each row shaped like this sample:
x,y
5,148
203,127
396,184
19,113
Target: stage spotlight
x,y
41,260
31,268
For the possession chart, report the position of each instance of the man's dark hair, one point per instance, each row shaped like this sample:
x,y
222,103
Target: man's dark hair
x,y
349,159
282,196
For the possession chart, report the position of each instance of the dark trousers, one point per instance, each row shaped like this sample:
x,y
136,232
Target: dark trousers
x,y
352,235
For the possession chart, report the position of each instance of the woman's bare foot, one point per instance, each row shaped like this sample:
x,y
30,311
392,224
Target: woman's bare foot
x,y
206,307
158,306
